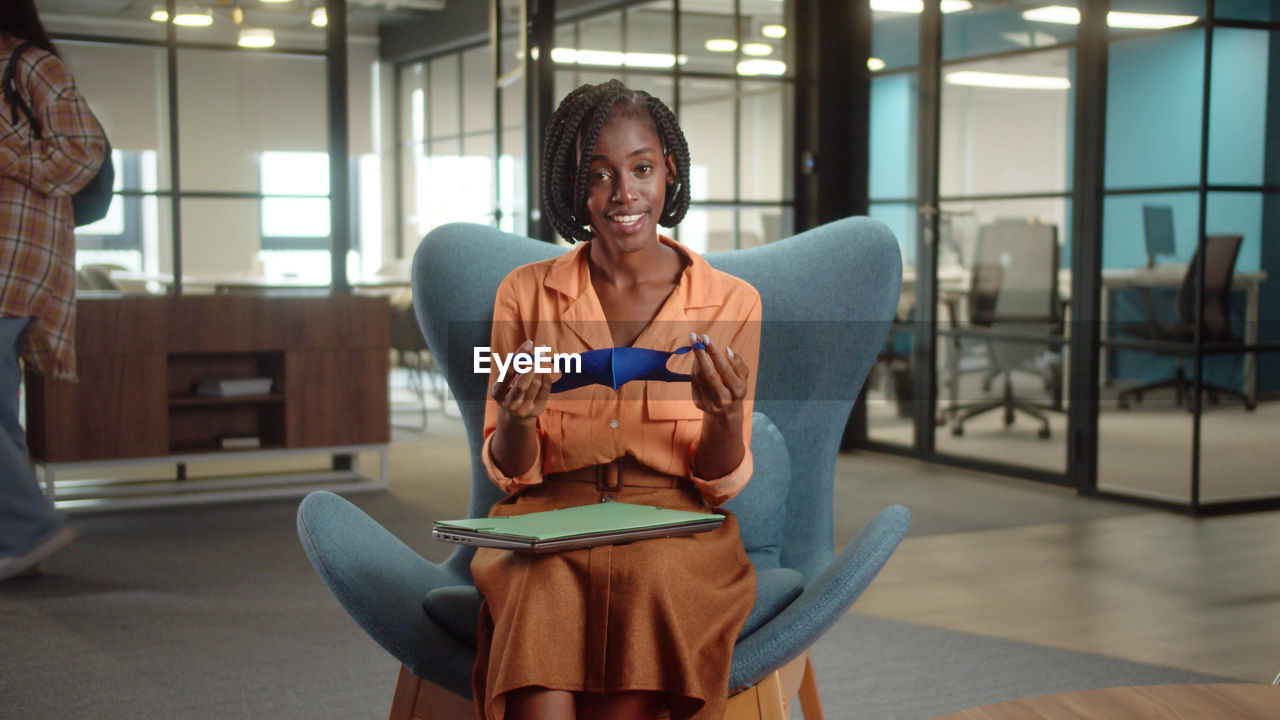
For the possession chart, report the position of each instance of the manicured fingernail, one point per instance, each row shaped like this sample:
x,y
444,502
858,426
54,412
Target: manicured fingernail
x,y
693,337
730,351
706,339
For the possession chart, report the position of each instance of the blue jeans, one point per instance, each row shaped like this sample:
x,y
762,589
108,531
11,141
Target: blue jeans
x,y
27,518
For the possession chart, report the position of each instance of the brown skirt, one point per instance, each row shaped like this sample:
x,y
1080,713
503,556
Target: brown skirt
x,y
658,615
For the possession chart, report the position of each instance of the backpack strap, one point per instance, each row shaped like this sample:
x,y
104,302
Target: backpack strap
x,y
11,94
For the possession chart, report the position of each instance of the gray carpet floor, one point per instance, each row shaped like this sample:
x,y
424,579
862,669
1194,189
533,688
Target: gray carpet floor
x,y
214,611
876,669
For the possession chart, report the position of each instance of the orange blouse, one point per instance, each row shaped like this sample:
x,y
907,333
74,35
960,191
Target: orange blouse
x,y
553,303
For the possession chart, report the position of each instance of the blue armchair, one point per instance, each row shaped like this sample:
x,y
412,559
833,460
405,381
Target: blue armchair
x,y
828,296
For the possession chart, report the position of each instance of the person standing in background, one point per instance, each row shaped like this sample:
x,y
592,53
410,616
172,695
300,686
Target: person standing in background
x,y
38,176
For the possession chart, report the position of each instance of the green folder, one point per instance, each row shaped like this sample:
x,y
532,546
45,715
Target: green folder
x,y
575,527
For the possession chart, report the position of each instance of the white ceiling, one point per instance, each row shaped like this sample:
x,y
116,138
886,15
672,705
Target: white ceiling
x,y
112,17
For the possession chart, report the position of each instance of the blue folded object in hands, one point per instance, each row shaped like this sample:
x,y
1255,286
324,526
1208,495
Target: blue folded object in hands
x,y
617,366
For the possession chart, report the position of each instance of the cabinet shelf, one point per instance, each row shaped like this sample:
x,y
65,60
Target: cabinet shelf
x,y
142,358
205,448
183,401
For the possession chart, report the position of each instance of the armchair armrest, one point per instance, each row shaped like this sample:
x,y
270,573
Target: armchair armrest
x,y
822,603
381,582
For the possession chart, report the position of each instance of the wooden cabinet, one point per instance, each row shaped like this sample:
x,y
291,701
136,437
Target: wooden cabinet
x,y
140,359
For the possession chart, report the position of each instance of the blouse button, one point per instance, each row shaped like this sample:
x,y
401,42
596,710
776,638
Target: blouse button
x,y
613,423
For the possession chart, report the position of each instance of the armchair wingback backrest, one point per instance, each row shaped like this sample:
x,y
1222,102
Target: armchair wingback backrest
x,y
828,296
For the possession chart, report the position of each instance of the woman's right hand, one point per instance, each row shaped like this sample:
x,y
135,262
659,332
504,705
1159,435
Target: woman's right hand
x,y
522,398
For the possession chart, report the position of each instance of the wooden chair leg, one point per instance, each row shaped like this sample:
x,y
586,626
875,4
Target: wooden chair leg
x,y
418,699
770,699
810,703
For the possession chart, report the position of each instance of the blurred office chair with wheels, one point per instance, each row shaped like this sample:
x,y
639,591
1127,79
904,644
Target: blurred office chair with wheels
x,y
828,295
1015,310
1218,253
410,348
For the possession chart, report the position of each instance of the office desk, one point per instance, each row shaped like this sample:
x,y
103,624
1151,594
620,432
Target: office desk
x,y
1170,276
953,291
1225,701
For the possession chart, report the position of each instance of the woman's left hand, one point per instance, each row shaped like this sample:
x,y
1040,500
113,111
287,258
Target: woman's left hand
x,y
719,379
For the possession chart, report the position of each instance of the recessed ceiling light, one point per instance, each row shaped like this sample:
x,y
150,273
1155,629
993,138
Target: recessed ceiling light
x,y
274,1
571,56
193,17
1008,80
1147,21
762,67
757,49
874,64
721,45
1141,21
917,6
257,38
160,15
319,17
777,32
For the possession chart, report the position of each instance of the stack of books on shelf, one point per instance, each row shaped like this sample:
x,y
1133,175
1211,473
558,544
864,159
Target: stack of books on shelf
x,y
239,442
232,388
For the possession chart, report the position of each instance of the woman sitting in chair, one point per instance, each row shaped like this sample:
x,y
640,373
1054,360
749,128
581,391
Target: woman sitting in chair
x,y
620,631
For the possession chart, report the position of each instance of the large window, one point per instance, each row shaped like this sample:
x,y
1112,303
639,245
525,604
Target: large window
x,y
447,142
245,189
728,83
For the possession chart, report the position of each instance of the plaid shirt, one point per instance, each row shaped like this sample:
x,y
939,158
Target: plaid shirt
x,y
37,179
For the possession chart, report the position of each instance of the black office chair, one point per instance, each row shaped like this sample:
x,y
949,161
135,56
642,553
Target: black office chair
x,y
1014,291
1219,253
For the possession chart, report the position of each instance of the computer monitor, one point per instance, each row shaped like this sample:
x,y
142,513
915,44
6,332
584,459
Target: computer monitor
x,y
1157,225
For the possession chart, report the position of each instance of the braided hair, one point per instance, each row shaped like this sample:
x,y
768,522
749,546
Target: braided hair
x,y
571,138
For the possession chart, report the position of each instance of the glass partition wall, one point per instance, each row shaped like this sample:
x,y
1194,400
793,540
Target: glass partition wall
x,y
994,229
724,67
1190,254
1019,249
1188,363
221,151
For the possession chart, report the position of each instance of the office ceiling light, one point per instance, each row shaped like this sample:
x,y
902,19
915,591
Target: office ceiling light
x,y
319,17
160,15
1140,21
193,17
649,60
874,64
757,49
274,2
762,67
1147,21
257,38
599,57
721,45
1007,80
917,6
610,58
777,32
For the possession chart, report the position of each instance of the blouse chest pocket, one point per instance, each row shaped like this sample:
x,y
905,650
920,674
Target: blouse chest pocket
x,y
571,402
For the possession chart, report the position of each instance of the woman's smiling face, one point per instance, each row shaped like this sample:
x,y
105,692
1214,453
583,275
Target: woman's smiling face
x,y
627,182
